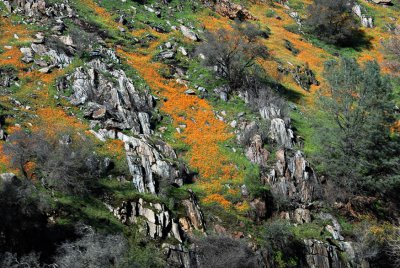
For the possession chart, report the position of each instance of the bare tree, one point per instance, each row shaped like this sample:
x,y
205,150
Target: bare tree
x,y
63,162
232,52
92,250
223,251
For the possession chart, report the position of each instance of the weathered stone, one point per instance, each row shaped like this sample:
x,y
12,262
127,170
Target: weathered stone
x,y
194,219
322,255
293,179
7,177
301,216
120,105
159,222
260,208
256,153
167,55
382,2
189,33
27,54
281,133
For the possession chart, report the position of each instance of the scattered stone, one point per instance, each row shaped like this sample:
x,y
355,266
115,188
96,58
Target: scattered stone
x,y
190,92
189,33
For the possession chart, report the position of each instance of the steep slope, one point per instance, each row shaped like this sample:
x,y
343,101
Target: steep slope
x,y
181,162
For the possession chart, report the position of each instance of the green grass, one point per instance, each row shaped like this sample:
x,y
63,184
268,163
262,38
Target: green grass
x,y
88,210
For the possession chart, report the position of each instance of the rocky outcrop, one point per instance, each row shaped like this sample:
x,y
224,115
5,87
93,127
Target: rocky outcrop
x,y
154,220
109,98
281,132
365,21
178,256
293,179
256,152
230,9
322,255
194,219
158,220
2,132
280,127
7,177
189,33
40,8
148,167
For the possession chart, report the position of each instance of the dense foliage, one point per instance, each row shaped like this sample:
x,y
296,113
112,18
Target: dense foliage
x,y
359,150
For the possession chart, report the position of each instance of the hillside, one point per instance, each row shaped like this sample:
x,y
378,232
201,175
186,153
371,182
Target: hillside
x,y
199,133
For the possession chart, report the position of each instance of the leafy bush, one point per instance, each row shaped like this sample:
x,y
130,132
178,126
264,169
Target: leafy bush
x,y
282,243
222,251
333,22
233,52
359,151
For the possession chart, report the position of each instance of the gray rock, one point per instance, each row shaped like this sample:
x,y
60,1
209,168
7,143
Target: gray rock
x,y
293,179
256,153
124,105
281,133
322,255
7,177
183,51
190,92
159,221
302,216
194,219
146,164
27,54
189,33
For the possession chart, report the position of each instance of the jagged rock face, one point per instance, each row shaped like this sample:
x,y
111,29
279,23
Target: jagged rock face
x,y
194,219
293,179
109,98
256,153
148,166
177,256
322,255
280,129
2,132
365,21
159,221
281,132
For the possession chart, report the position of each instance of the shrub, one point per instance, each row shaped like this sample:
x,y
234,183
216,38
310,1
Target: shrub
x,y
92,250
23,217
222,251
64,163
233,52
359,151
333,22
282,243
